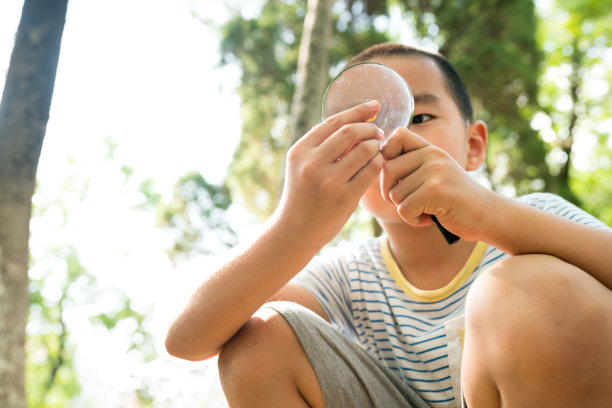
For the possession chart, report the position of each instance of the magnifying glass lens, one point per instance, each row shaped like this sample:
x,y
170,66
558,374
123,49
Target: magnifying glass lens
x,y
366,81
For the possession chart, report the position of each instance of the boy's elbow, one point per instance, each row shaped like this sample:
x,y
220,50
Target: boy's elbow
x,y
179,349
172,347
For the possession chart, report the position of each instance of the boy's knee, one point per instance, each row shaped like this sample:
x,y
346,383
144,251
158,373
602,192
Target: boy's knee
x,y
540,316
264,365
253,346
524,295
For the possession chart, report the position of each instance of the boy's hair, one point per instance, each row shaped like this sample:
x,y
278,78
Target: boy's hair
x,y
454,82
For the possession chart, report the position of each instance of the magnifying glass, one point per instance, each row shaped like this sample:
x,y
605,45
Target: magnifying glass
x,y
367,81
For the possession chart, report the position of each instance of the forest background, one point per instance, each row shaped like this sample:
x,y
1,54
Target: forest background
x,y
165,146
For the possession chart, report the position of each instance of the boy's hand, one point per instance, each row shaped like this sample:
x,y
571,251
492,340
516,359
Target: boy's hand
x,y
327,172
421,180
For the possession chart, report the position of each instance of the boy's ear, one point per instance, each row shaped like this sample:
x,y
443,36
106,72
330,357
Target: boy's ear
x,y
477,144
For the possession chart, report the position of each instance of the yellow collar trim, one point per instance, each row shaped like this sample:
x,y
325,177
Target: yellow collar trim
x,y
436,294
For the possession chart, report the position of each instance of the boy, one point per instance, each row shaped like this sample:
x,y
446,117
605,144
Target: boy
x,y
535,329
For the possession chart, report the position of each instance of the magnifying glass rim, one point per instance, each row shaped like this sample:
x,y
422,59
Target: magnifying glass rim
x,y
374,63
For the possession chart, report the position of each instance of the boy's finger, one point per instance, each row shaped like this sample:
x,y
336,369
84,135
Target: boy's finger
x,y
346,138
366,175
396,170
387,182
400,142
359,113
360,154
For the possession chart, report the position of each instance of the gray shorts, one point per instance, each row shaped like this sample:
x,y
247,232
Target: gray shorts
x,y
349,376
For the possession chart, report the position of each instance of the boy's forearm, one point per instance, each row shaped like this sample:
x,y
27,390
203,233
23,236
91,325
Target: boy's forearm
x,y
226,300
519,229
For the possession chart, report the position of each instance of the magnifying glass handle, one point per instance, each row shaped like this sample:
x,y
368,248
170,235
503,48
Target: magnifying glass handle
x,y
448,236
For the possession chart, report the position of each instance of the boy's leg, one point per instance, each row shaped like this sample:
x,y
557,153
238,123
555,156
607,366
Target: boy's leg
x,y
263,365
538,333
287,356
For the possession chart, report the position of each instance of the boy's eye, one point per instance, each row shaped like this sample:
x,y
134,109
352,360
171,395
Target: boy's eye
x,y
422,118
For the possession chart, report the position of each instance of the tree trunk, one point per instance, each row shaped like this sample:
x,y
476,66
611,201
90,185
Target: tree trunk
x,y
312,68
24,112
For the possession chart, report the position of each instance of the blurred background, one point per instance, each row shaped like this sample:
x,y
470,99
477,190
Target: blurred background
x,y
165,146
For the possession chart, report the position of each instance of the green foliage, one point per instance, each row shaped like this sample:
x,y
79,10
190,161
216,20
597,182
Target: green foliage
x,y
50,376
594,184
574,101
354,30
141,341
60,285
266,50
47,388
594,189
196,218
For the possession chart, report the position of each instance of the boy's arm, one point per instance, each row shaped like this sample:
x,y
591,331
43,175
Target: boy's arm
x,y
320,193
226,300
517,229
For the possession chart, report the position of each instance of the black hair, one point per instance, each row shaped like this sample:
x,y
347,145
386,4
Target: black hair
x,y
454,82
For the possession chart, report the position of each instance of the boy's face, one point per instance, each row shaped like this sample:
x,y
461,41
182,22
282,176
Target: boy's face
x,y
436,118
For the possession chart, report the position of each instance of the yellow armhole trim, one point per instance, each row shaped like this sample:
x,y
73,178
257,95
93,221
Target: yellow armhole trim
x,y
436,294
